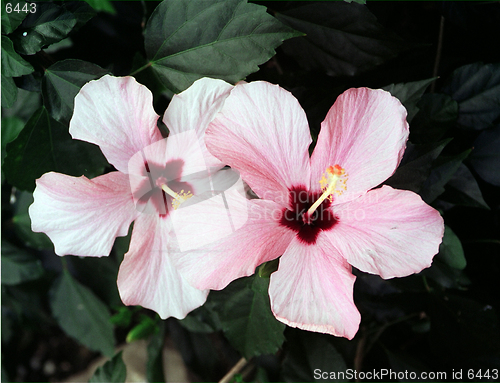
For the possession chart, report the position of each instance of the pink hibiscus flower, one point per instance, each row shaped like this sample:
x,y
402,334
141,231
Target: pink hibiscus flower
x,y
319,213
154,175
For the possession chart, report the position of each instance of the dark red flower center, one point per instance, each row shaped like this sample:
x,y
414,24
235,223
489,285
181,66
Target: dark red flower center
x,y
296,219
149,193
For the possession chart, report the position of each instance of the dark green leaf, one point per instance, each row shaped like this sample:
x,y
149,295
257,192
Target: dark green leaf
x,y
451,251
62,82
438,113
10,21
81,314
13,65
247,319
227,39
82,12
308,355
356,1
409,94
22,224
49,24
204,319
11,127
113,371
442,171
485,157
154,366
102,5
45,145
18,266
416,166
341,39
144,329
9,92
462,189
26,104
476,88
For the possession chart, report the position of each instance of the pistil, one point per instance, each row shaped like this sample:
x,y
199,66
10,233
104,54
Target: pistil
x,y
178,198
335,175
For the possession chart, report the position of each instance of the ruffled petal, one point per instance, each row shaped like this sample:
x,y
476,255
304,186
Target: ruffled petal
x,y
226,237
388,232
365,132
263,133
195,108
313,290
117,114
147,276
82,216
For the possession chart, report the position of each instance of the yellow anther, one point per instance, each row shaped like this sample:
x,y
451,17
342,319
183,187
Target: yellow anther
x,y
333,181
178,198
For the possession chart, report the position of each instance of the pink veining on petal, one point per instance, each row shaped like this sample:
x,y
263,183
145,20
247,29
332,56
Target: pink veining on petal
x,y
82,216
117,114
388,232
365,132
313,290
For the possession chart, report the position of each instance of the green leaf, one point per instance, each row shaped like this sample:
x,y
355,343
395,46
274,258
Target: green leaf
x,y
49,24
416,166
443,170
45,145
451,251
26,104
113,371
81,314
409,94
22,224
9,92
82,12
154,365
356,1
11,127
18,266
10,21
438,113
123,317
307,352
462,189
247,319
62,82
13,65
485,157
102,5
227,39
144,329
476,88
341,39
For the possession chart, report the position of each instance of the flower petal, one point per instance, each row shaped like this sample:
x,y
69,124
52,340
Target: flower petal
x,y
388,232
263,133
117,114
147,276
313,290
250,236
82,216
195,108
365,132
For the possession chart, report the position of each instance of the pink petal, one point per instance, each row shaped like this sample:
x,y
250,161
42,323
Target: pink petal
x,y
313,290
388,232
365,132
213,264
117,114
195,108
263,133
82,216
147,276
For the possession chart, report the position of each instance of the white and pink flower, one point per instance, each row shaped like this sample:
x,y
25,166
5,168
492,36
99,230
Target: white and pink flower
x,y
154,175
322,214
